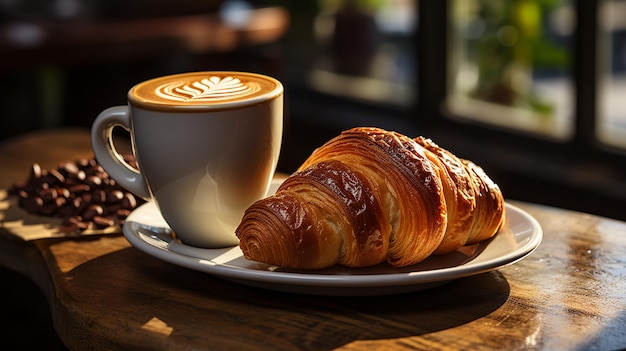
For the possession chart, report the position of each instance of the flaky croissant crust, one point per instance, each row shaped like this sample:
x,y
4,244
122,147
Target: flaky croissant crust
x,y
369,196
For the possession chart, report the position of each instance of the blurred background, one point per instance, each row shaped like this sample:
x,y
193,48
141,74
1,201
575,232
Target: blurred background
x,y
532,90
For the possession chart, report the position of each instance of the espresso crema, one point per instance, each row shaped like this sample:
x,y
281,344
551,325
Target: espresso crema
x,y
204,90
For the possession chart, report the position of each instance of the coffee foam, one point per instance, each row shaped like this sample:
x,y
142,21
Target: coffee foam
x,y
204,90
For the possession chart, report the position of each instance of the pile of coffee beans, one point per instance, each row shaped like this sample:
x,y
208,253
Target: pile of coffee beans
x,y
80,192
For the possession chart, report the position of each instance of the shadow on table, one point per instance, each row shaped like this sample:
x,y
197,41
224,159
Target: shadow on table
x,y
191,308
25,316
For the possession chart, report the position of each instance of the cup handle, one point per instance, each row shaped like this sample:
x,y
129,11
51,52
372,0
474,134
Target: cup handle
x,y
108,157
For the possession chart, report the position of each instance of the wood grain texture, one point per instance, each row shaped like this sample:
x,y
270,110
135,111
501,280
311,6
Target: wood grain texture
x,y
570,294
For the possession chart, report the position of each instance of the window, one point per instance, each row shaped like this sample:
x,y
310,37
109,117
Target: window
x,y
510,64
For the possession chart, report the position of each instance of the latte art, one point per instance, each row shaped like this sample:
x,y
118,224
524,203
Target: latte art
x,y
207,89
211,90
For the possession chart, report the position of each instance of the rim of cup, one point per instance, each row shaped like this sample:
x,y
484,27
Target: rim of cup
x,y
138,96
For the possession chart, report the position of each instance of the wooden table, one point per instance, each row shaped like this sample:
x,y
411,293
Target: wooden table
x,y
570,294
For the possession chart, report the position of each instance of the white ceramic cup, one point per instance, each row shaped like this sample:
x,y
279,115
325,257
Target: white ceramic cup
x,y
206,145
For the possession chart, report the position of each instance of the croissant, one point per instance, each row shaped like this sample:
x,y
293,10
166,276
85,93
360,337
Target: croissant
x,y
370,196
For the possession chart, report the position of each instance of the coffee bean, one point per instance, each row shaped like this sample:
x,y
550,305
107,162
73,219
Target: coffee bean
x,y
79,188
99,196
57,177
74,224
129,201
85,163
63,192
60,202
122,213
93,210
69,167
114,196
87,197
78,176
93,180
102,222
48,195
35,171
80,192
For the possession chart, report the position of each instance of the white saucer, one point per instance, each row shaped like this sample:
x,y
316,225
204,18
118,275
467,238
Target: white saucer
x,y
146,230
